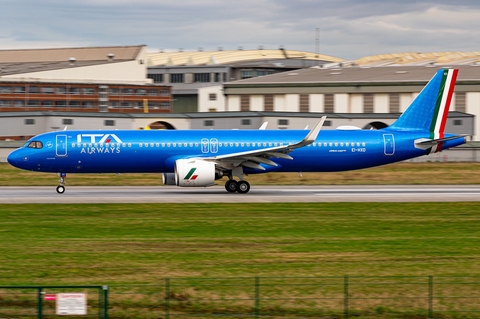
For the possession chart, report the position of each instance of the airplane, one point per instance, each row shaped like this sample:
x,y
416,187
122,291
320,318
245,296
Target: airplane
x,y
197,158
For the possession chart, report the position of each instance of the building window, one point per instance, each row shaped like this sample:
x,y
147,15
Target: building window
x,y
282,122
304,103
157,78
74,90
328,103
127,91
33,89
152,92
88,104
368,103
246,74
67,121
75,103
201,77
141,92
244,103
47,103
18,103
217,77
460,102
109,123
5,89
394,103
126,104
88,91
29,121
208,123
246,122
457,122
164,92
33,103
114,104
212,97
18,89
4,103
60,103
115,91
268,103
164,105
327,123
61,90
176,78
47,90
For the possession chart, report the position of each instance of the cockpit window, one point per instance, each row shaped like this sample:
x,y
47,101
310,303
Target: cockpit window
x,y
35,144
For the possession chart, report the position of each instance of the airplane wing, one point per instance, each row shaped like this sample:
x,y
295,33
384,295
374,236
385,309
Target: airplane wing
x,y
254,158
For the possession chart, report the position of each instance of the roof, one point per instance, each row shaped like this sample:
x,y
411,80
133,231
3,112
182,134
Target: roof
x,y
35,60
418,58
232,56
353,75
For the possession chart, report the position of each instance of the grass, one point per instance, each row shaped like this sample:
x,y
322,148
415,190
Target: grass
x,y
399,173
135,243
130,246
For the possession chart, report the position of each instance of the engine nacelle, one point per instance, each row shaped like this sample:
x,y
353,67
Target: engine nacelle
x,y
169,179
194,173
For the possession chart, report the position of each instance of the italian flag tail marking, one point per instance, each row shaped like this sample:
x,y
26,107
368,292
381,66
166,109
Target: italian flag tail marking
x,y
440,116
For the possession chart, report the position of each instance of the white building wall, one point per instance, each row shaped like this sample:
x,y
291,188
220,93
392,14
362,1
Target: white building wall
x,y
405,100
381,103
279,103
452,103
341,103
356,103
473,107
204,103
316,103
233,103
256,103
292,103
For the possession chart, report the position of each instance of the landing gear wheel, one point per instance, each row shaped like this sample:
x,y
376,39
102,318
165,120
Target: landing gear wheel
x,y
231,186
243,187
60,189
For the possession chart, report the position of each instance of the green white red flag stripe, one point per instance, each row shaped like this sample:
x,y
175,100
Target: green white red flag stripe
x,y
444,98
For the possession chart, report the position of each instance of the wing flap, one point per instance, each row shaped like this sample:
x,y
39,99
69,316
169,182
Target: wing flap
x,y
254,158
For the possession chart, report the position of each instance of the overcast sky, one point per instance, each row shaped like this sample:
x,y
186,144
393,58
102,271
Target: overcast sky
x,y
349,29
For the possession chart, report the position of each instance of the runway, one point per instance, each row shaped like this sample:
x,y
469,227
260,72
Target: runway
x,y
259,194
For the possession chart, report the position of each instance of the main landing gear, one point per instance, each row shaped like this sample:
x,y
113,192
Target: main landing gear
x,y
61,187
232,186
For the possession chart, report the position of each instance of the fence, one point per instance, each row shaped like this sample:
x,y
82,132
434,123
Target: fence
x,y
267,297
42,301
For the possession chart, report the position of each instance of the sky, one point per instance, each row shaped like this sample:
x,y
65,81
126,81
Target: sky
x,y
348,29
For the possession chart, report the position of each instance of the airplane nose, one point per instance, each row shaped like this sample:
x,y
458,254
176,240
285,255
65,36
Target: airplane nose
x,y
14,158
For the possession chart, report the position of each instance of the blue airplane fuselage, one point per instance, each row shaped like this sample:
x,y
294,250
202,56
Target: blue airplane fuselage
x,y
156,151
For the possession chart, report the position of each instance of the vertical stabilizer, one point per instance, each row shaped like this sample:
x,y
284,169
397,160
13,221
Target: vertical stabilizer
x,y
429,111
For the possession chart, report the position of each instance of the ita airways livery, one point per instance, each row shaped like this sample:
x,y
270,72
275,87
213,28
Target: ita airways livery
x,y
196,158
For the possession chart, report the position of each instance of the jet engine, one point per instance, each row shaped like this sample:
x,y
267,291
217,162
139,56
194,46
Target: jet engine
x,y
192,173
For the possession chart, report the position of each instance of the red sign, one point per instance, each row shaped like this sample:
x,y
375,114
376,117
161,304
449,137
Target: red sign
x,y
50,297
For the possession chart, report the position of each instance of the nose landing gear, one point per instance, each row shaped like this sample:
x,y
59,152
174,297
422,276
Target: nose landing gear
x,y
61,187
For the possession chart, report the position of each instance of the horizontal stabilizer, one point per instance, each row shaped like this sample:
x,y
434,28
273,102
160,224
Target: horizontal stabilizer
x,y
425,143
